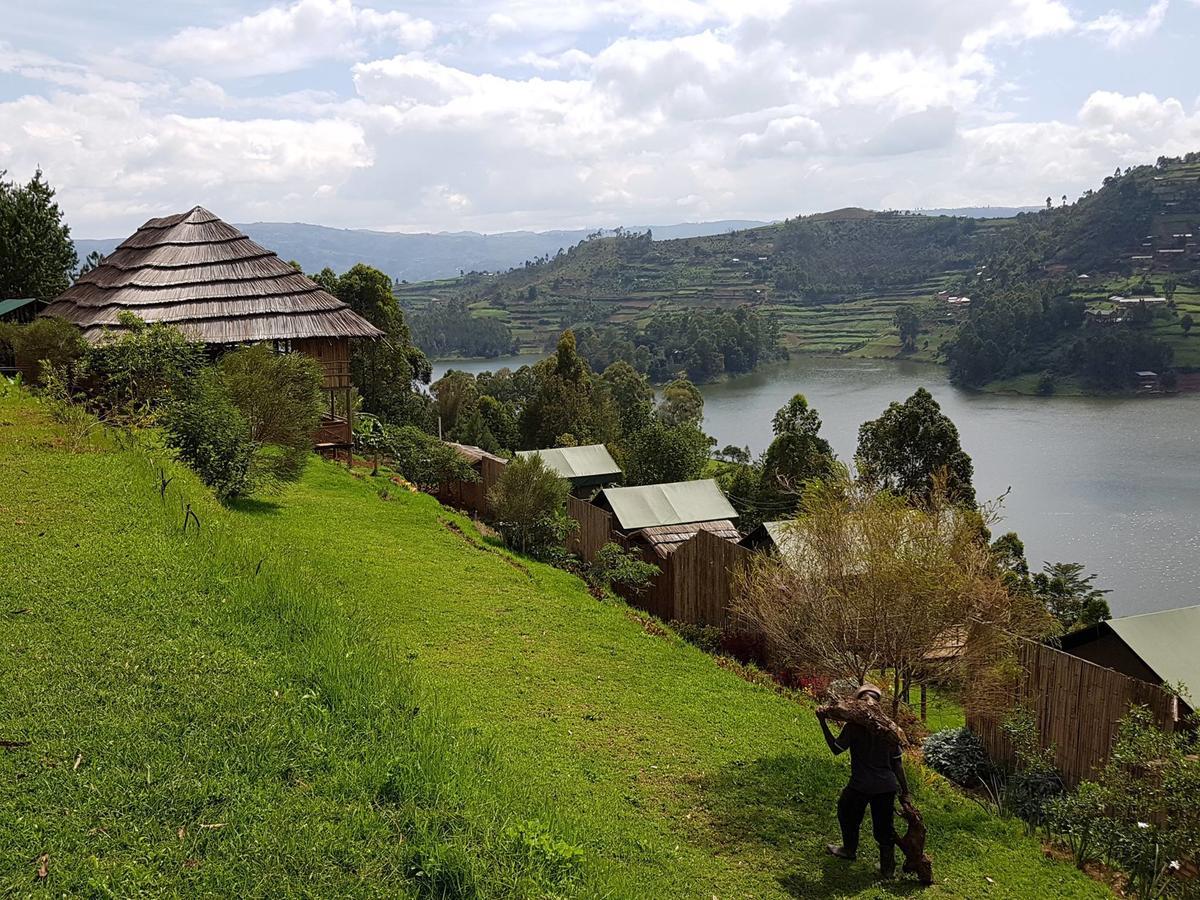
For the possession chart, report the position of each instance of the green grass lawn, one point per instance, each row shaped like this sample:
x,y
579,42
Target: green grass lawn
x,y
342,690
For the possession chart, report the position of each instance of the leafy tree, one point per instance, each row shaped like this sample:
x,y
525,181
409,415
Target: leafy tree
x,y
455,394
682,404
383,371
908,323
911,443
568,399
660,454
798,452
279,394
913,573
529,506
91,261
1070,596
1187,323
631,394
37,256
1008,550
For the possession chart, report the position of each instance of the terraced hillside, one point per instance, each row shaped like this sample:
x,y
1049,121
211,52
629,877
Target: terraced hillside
x,y
836,279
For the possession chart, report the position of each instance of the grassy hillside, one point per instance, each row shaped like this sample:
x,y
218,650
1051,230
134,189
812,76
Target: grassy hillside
x,y
344,691
835,279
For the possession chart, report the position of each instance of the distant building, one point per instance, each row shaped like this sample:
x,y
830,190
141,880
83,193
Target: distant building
x,y
585,468
1159,648
1148,382
1105,317
20,309
661,517
1138,301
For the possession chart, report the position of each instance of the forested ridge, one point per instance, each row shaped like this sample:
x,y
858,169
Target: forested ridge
x,y
842,281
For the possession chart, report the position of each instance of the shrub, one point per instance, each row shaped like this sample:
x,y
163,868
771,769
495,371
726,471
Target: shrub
x,y
1078,820
139,370
247,424
212,436
45,340
958,754
279,394
706,637
419,457
528,502
1142,806
614,567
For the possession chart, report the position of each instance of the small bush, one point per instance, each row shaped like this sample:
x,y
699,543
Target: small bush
x,y
279,394
556,861
418,456
47,340
959,755
707,637
212,436
615,567
141,369
1078,820
529,505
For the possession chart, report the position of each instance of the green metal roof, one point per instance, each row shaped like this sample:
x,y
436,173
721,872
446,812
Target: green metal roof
x,y
7,306
1168,643
679,503
590,463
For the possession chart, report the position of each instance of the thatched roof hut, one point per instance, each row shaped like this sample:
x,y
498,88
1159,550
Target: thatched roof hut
x,y
204,276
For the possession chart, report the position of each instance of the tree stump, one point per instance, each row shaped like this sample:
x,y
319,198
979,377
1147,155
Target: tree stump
x,y
912,844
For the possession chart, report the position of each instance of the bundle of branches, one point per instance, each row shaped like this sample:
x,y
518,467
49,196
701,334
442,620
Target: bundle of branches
x,y
869,715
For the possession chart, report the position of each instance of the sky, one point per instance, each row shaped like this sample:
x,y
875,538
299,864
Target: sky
x,y
543,114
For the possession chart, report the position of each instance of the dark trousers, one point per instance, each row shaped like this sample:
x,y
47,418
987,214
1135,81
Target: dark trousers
x,y
852,807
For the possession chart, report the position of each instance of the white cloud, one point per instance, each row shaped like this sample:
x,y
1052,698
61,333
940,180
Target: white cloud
x,y
112,160
1118,30
541,114
287,38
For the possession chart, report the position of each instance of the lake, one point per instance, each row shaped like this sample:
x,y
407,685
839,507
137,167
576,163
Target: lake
x,y
1111,483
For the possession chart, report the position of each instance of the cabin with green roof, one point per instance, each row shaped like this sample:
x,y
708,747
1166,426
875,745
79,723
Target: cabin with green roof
x,y
586,468
1159,647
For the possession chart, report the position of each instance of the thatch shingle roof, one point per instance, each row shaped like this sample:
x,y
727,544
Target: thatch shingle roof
x,y
210,280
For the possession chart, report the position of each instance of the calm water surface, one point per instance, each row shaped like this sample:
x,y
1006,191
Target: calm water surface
x,y
1114,484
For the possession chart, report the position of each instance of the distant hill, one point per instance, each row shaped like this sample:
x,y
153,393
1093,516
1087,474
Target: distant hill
x,y
836,278
425,256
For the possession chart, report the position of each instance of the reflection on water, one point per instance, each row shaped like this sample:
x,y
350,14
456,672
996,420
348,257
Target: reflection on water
x,y
1109,483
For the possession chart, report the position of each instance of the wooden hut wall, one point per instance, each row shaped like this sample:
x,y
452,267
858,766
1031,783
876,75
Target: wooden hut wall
x,y
332,355
659,597
1078,706
594,529
705,571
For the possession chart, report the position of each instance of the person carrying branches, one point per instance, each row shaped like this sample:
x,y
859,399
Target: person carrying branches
x,y
876,774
